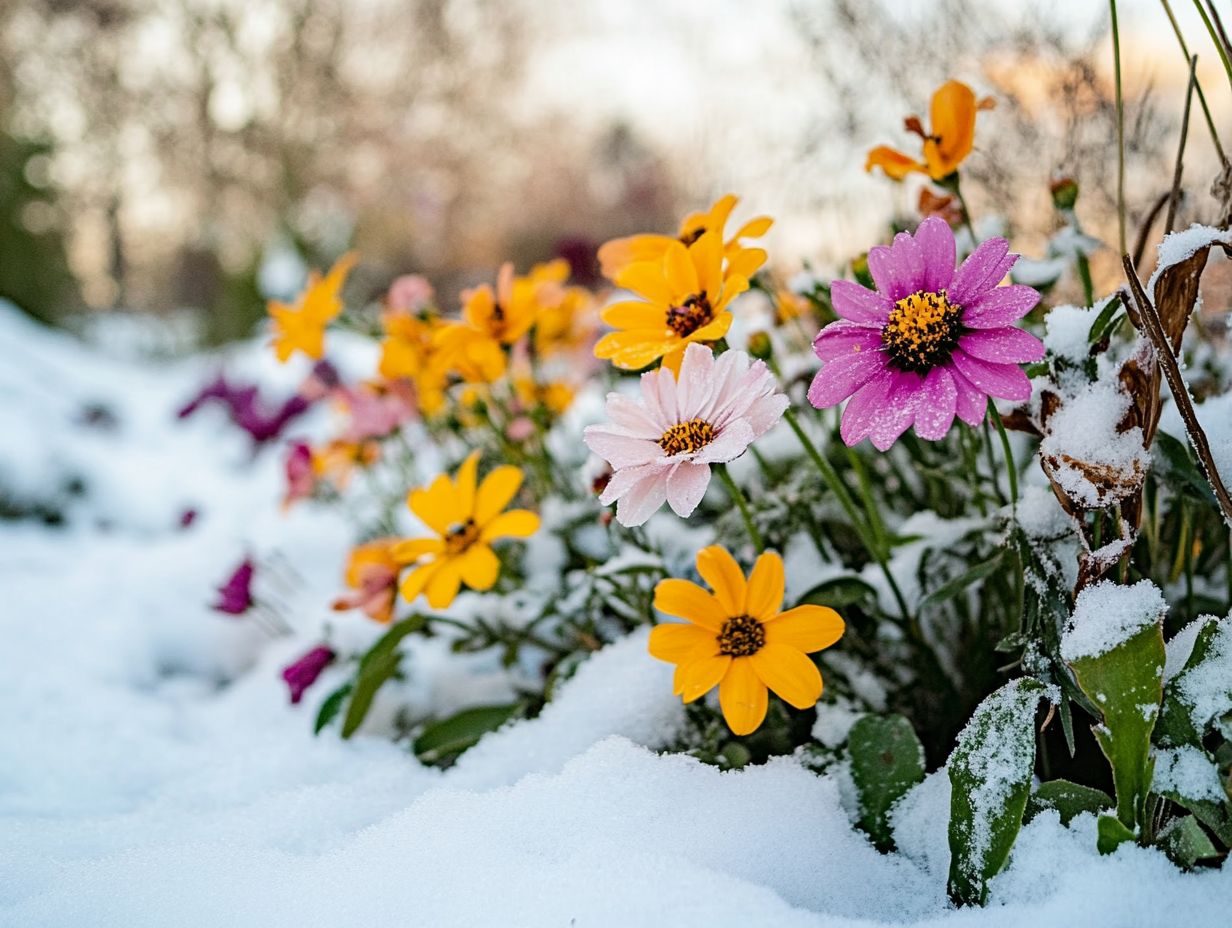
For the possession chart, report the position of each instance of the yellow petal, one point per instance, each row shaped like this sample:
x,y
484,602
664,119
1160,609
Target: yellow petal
x,y
765,588
672,360
409,550
480,567
952,112
754,228
700,676
516,523
707,257
497,489
464,486
790,673
895,164
679,271
437,505
745,262
720,570
632,349
645,278
635,314
417,579
806,628
687,600
673,641
443,585
743,697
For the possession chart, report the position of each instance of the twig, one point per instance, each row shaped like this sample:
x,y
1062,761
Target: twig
x,y
1219,45
1144,230
1206,110
1172,372
1175,196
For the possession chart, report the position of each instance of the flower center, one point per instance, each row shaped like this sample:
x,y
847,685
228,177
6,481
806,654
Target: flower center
x,y
922,331
690,315
461,536
741,636
692,236
687,437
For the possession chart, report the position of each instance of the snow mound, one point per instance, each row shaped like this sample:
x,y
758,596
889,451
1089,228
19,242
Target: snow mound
x,y
1108,614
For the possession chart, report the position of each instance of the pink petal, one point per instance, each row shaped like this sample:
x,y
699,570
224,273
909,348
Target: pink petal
x,y
863,408
976,274
696,377
686,485
1006,381
842,338
650,398
643,500
971,404
620,450
859,304
938,400
628,414
898,410
1001,306
669,400
765,413
1003,346
736,436
893,279
628,477
935,239
840,378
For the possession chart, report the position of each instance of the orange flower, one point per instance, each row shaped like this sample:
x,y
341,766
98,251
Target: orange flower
x,y
739,640
301,327
372,572
619,253
337,460
474,346
409,352
946,146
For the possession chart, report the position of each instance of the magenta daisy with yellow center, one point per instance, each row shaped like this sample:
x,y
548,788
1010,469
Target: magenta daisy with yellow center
x,y
930,343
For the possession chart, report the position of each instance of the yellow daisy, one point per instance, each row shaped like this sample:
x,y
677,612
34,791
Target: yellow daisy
x,y
684,298
738,639
490,320
618,254
301,327
466,521
408,351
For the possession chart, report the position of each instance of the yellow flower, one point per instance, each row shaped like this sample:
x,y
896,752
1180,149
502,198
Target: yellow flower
x,y
619,253
684,299
466,521
302,327
947,145
555,396
490,320
789,305
738,639
409,351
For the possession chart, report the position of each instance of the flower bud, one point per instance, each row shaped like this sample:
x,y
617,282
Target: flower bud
x,y
760,346
1064,192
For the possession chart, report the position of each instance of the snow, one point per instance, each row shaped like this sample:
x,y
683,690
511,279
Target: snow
x,y
1215,416
1180,646
152,772
1180,246
1108,614
1067,331
1206,688
1187,772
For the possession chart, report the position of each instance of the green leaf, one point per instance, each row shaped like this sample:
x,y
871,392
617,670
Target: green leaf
x,y
956,585
1067,798
1185,843
1111,834
451,736
375,667
332,706
1179,775
1104,322
838,592
1126,684
887,759
1202,671
1175,468
990,778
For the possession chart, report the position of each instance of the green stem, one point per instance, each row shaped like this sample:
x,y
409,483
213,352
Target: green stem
x,y
1210,27
1206,110
1120,117
835,483
738,498
962,201
1009,454
1084,274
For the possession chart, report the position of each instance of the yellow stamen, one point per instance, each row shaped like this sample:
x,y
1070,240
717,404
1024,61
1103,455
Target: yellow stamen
x,y
460,537
687,437
690,316
742,635
922,331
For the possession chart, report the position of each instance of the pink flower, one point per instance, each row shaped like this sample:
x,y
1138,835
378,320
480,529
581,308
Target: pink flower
x,y
376,411
235,595
410,292
930,343
662,446
301,477
304,672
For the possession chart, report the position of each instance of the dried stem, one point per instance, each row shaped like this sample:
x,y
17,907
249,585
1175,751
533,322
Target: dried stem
x,y
1206,110
1215,37
1154,329
1175,197
1144,230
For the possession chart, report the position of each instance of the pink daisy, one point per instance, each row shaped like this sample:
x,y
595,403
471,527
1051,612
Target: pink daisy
x,y
661,446
930,343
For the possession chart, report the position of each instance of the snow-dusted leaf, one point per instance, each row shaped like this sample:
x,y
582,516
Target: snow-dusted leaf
x,y
990,773
1202,692
1188,776
1185,843
1067,799
450,736
887,759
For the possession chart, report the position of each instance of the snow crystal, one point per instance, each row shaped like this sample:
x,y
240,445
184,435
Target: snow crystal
x,y
1189,773
1108,614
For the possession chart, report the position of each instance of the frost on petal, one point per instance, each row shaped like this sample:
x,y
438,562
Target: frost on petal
x,y
898,410
935,240
843,338
625,479
908,263
938,400
983,269
621,450
858,304
696,376
643,500
970,403
1002,346
686,485
1006,381
840,378
730,444
863,408
891,277
1001,306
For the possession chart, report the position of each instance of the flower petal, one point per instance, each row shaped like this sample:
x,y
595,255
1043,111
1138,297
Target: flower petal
x,y
409,550
686,600
720,570
620,450
898,410
700,676
893,278
935,239
908,261
790,673
938,400
977,273
1002,346
643,499
843,338
840,378
464,486
859,304
494,494
443,585
971,404
686,485
479,567
516,523
743,697
764,596
673,641
863,409
805,628
731,443
1006,381
1000,306
679,270
437,504
414,582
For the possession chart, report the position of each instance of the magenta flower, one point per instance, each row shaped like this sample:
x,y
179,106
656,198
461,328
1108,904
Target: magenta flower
x,y
662,446
304,672
301,476
235,596
930,343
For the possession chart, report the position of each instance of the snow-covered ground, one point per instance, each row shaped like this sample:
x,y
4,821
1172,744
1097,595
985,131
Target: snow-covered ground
x,y
152,772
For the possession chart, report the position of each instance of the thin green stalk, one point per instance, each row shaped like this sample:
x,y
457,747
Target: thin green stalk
x,y
875,522
1120,117
1009,454
1210,27
1084,274
1206,110
992,460
962,201
738,498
